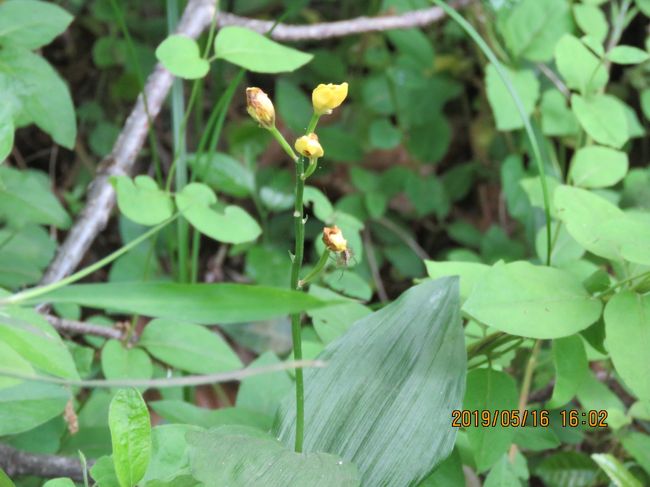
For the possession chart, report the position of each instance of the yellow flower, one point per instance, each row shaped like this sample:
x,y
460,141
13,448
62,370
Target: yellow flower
x,y
308,146
260,107
333,239
326,98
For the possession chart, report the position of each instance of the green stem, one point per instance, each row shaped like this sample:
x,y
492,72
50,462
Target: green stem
x,y
41,290
179,121
283,143
614,287
525,388
196,247
312,123
299,228
320,267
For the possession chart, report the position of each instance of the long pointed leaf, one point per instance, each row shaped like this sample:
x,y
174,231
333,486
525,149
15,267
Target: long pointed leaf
x,y
384,401
199,303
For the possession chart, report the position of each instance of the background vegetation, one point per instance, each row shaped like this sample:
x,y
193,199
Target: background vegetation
x,y
504,142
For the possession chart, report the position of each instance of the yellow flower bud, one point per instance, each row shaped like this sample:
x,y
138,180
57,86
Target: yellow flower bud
x,y
326,98
333,239
260,107
308,146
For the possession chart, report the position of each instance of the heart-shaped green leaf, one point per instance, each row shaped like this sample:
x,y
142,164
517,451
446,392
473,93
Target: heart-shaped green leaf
x,y
141,200
232,225
248,457
181,56
255,52
385,399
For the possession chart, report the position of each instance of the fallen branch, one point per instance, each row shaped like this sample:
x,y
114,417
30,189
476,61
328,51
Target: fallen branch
x,y
341,28
16,463
73,327
101,196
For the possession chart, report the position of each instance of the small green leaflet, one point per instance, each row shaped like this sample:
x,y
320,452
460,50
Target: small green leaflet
x,y
181,56
254,52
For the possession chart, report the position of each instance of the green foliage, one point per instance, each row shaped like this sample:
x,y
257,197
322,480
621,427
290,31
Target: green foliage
x,y
504,108
428,174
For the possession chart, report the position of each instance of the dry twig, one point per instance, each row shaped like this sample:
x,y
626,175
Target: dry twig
x,y
341,28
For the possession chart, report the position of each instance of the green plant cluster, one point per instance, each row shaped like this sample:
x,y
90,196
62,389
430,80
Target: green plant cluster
x,y
487,180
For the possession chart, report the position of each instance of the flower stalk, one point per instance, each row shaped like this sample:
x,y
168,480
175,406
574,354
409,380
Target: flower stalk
x,y
325,98
316,271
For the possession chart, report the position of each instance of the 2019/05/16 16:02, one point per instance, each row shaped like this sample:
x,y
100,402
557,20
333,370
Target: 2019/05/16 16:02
x,y
568,418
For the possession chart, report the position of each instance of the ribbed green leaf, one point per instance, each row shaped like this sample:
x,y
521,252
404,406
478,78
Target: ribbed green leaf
x,y
249,458
384,401
615,470
568,469
200,303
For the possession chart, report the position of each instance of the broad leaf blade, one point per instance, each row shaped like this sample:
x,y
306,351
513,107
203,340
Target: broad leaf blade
x,y
30,404
392,380
31,24
34,339
188,347
200,303
532,301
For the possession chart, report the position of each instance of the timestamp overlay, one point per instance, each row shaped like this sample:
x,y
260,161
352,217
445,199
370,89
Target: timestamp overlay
x,y
513,418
